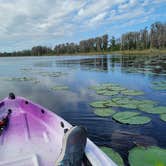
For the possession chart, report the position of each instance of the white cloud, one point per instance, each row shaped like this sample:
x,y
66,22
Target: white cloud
x,y
24,23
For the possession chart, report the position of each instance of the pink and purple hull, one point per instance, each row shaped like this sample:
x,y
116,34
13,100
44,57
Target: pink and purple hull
x,y
33,136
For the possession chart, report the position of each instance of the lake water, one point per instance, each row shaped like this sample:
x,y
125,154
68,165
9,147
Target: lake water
x,y
81,72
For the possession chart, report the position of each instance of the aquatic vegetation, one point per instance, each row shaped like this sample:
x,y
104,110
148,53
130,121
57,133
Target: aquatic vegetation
x,y
107,93
99,104
132,92
104,112
129,117
110,103
26,69
21,79
113,155
151,109
110,89
163,117
151,156
161,85
51,74
60,87
125,102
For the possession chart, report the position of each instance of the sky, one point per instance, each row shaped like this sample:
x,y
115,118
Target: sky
x,y
27,23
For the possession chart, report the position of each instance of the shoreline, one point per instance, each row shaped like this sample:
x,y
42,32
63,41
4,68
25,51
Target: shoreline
x,y
150,52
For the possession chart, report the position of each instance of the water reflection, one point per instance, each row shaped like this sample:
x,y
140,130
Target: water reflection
x,y
81,72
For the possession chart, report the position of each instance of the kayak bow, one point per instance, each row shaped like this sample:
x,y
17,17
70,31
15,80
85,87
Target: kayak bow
x,y
31,135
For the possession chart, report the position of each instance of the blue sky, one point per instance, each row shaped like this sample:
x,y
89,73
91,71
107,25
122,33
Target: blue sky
x,y
26,23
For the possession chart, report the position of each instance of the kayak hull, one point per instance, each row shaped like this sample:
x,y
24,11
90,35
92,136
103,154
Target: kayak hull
x,y
34,136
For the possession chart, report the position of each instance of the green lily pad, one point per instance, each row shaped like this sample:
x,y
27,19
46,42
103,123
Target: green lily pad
x,y
116,88
131,103
121,100
152,156
108,87
110,103
128,117
110,93
113,155
126,102
51,74
161,85
97,88
163,117
147,102
151,109
145,107
99,104
60,87
20,79
104,112
101,91
132,92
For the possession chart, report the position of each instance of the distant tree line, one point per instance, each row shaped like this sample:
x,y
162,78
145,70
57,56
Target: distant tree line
x,y
155,37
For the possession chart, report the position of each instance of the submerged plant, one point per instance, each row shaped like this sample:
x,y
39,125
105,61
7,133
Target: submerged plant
x,y
115,156
104,112
129,117
151,156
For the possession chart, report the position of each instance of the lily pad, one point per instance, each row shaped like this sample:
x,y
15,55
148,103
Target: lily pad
x,y
128,117
99,104
60,87
145,107
20,79
132,92
110,103
51,74
108,87
116,88
126,102
104,112
161,85
163,117
113,155
152,156
110,93
101,91
151,109
147,102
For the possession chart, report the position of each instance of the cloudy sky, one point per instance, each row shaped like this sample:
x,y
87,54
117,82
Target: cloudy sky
x,y
25,23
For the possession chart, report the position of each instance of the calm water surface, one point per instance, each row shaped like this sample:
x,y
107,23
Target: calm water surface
x,y
81,72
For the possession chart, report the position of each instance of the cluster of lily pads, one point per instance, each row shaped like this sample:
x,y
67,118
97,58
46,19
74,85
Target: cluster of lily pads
x,y
44,73
161,85
106,107
110,89
139,156
21,79
60,87
51,74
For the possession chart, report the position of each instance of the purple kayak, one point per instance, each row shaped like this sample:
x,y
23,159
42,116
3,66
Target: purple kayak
x,y
31,135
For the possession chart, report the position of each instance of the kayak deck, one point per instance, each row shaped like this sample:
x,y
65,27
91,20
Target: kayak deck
x,y
28,138
34,136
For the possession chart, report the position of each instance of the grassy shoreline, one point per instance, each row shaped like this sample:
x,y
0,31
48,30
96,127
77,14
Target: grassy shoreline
x,y
124,52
